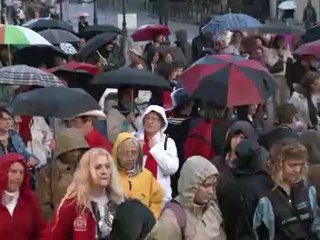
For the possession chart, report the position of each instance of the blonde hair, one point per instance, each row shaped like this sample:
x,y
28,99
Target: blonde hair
x,y
279,153
79,189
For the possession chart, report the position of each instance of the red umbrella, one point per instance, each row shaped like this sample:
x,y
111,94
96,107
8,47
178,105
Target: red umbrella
x,y
73,66
146,32
312,48
228,80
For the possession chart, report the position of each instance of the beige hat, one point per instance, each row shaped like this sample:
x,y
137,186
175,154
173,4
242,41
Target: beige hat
x,y
92,113
137,50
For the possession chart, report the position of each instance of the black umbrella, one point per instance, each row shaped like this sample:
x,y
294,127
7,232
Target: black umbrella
x,y
54,102
57,36
91,31
40,24
311,34
126,76
94,44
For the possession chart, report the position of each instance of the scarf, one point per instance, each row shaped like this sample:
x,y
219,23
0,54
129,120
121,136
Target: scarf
x,y
151,164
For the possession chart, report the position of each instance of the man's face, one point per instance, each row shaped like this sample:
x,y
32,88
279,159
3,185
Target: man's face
x,y
205,191
128,152
5,122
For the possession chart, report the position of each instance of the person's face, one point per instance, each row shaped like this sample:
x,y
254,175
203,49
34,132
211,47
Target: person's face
x,y
155,58
128,154
100,171
82,42
17,121
281,43
72,157
315,86
109,47
179,72
174,75
5,122
205,191
15,177
160,38
292,169
80,125
259,42
152,123
168,58
237,37
236,140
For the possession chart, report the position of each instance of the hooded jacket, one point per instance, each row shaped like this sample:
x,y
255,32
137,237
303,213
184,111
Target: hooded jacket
x,y
27,222
182,42
204,225
135,227
54,179
139,183
164,152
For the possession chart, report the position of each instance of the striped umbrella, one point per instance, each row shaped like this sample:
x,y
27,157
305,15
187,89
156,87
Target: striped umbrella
x,y
17,35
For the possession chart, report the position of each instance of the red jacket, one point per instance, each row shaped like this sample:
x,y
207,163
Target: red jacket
x,y
95,139
27,222
68,224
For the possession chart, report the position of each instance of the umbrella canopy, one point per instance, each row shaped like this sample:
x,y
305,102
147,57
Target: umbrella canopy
x,y
228,80
287,5
231,21
25,75
54,102
126,76
73,65
17,35
312,48
57,36
311,34
94,44
93,30
146,32
39,24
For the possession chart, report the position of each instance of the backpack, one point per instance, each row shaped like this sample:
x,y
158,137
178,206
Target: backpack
x,y
179,213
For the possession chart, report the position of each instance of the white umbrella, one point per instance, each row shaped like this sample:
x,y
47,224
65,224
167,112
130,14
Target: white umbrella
x,y
287,5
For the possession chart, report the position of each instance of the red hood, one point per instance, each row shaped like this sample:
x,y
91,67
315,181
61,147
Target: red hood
x,y
5,163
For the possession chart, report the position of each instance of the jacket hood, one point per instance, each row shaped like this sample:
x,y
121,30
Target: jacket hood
x,y
5,162
69,139
135,227
250,156
182,35
120,139
160,111
194,171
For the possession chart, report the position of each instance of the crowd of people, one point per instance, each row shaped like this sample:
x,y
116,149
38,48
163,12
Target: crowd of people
x,y
160,165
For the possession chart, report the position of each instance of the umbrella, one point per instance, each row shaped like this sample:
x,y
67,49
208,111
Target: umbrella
x,y
287,5
40,24
57,36
25,75
54,102
228,80
231,21
91,31
126,76
311,34
73,65
94,44
312,48
17,35
146,32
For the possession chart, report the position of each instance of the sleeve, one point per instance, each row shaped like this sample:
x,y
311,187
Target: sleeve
x,y
156,198
18,143
61,224
39,222
47,134
43,192
166,228
315,211
167,159
264,215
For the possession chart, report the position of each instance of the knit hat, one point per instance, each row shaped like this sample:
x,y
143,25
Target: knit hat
x,y
179,97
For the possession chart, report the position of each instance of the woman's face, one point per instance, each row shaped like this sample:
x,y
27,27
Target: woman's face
x,y
152,123
168,58
259,42
236,140
292,170
15,177
155,58
316,86
100,171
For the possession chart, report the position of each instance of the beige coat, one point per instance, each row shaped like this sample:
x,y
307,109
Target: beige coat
x,y
201,225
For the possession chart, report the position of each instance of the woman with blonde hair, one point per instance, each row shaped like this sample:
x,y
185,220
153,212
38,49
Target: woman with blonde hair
x,y
289,210
88,208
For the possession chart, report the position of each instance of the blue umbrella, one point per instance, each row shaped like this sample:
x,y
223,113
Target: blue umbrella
x,y
231,21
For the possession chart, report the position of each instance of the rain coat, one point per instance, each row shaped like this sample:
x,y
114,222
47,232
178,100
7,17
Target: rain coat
x,y
204,225
140,183
54,179
27,222
164,153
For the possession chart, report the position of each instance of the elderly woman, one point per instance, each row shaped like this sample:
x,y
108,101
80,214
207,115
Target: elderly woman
x,y
88,208
160,152
20,212
289,210
136,181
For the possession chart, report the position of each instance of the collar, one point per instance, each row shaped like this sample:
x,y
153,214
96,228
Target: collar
x,y
15,194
